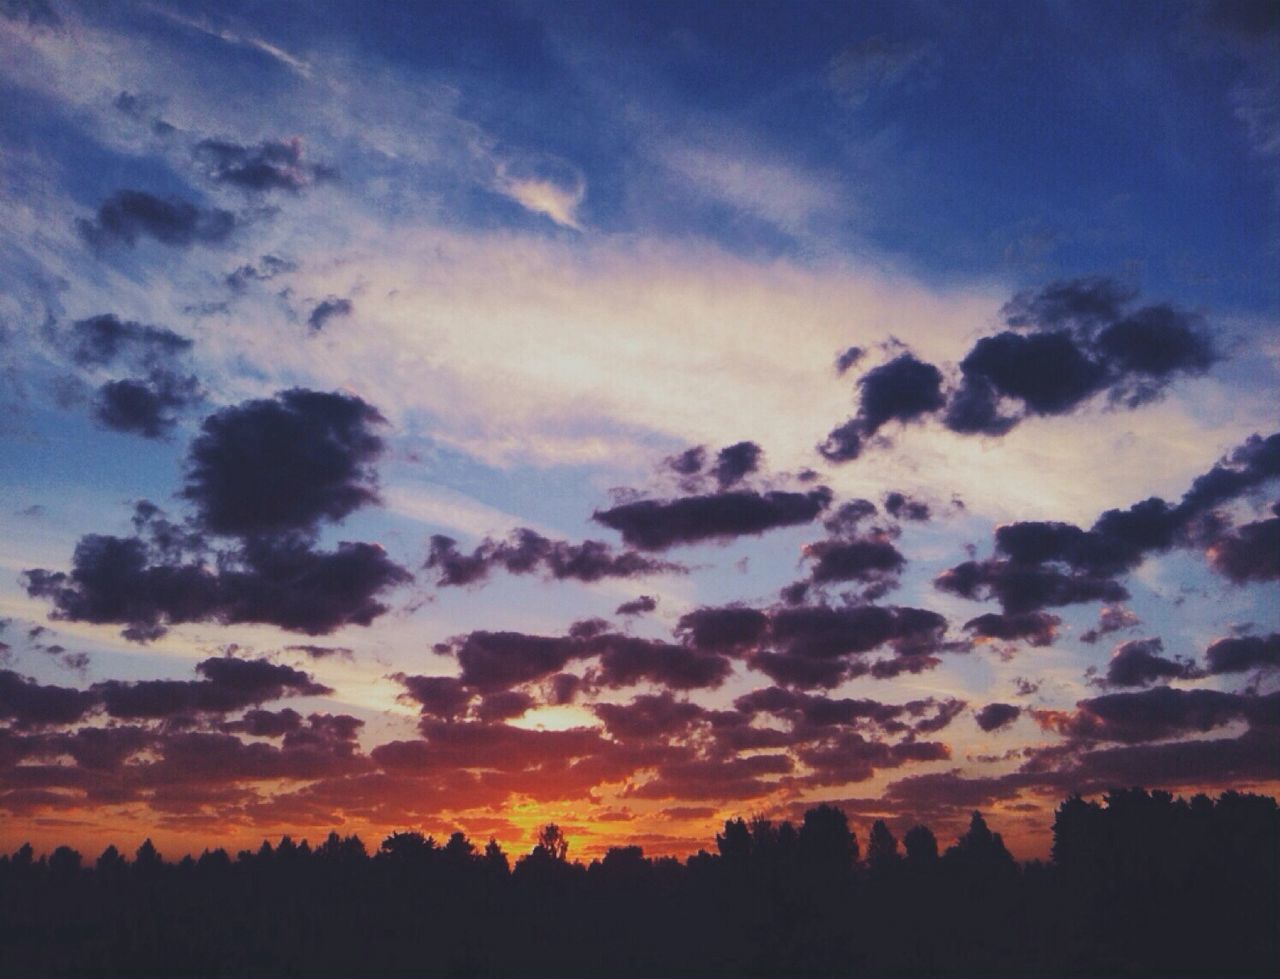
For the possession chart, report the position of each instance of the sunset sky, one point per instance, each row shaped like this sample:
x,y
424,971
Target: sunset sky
x,y
473,415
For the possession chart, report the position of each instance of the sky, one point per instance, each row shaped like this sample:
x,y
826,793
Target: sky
x,y
477,415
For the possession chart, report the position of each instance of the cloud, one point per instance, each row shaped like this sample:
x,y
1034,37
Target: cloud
x,y
1251,553
871,560
637,606
501,660
903,390
655,525
321,652
733,462
1111,619
902,507
145,406
649,716
129,214
1252,757
284,464
280,581
1025,588
820,645
848,358
229,684
445,697
1158,713
269,267
722,628
1049,563
326,310
810,713
105,340
1036,628
852,758
1138,662
1237,654
735,778
270,165
261,723
28,704
525,551
1070,341
995,716
626,660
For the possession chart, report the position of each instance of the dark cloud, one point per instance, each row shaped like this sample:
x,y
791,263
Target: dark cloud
x,y
129,214
649,716
655,525
145,406
869,560
845,519
1158,713
1111,619
1251,553
270,165
503,704
328,309
1036,628
902,390
995,716
28,704
1254,756
501,660
1047,563
810,711
1237,654
1071,341
321,652
902,507
733,462
526,551
268,268
1138,662
723,628
261,723
637,606
626,660
848,358
229,684
689,462
105,340
735,778
850,757
821,645
284,463
281,581
445,697
1026,588
1087,302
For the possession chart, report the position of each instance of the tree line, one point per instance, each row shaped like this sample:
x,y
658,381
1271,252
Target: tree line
x,y
1139,883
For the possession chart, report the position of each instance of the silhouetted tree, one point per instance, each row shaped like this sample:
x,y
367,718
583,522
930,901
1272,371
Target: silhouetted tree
x,y
1141,884
552,842
921,846
734,843
882,848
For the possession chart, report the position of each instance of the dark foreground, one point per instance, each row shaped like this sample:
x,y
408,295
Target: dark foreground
x,y
1142,885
